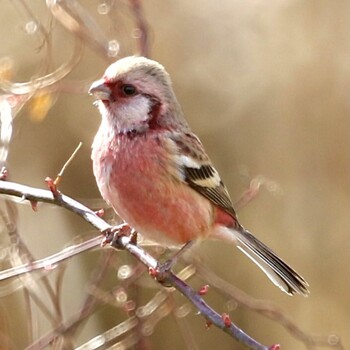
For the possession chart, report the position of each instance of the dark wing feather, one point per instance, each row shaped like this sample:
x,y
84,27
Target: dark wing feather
x,y
200,174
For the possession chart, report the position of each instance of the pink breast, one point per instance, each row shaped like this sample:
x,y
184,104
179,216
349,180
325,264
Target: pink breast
x,y
134,179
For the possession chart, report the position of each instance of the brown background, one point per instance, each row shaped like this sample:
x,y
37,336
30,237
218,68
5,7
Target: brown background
x,y
265,85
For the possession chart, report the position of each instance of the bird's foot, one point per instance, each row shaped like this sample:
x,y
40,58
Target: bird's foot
x,y
113,234
161,272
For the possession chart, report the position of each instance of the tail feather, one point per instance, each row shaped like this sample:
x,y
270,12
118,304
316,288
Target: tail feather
x,y
282,275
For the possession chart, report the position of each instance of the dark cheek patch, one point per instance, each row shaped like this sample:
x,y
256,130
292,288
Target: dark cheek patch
x,y
154,115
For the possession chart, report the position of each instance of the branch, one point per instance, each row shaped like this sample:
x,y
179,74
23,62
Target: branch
x,y
265,308
141,27
223,322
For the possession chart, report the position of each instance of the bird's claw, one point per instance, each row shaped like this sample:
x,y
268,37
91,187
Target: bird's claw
x,y
161,272
113,234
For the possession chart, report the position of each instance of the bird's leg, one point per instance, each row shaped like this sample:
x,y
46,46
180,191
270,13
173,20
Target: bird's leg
x,y
165,267
112,234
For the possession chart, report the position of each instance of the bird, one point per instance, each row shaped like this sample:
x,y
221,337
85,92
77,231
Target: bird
x,y
155,173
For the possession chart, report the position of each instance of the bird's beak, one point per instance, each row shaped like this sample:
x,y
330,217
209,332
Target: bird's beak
x,y
100,90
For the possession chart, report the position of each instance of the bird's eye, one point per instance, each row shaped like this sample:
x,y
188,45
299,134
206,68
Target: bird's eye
x,y
128,90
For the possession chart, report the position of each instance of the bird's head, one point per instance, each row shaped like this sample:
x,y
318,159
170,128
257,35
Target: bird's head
x,y
135,94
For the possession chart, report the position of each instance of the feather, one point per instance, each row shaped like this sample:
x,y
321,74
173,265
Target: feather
x,y
198,172
274,267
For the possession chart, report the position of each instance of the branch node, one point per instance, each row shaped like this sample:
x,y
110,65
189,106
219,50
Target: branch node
x,y
203,290
226,319
53,187
208,324
161,274
153,272
3,174
100,213
34,205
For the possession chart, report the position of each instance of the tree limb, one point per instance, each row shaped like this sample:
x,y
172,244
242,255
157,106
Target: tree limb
x,y
35,195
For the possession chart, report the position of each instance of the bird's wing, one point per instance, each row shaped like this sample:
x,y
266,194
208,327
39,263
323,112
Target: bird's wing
x,y
197,170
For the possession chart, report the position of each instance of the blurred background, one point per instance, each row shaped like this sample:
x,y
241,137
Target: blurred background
x,y
264,84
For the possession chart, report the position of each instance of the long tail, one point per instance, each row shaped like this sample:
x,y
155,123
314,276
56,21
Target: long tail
x,y
282,275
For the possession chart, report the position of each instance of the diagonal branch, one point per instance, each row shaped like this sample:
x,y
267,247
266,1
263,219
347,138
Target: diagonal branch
x,y
35,195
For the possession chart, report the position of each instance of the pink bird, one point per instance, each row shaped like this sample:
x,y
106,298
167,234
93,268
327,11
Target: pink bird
x,y
153,170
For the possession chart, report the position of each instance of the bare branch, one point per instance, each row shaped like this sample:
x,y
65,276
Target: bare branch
x,y
60,174
142,30
77,20
265,308
212,317
31,87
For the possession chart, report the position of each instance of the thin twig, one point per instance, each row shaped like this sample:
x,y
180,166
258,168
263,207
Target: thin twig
x,y
263,307
141,27
60,174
